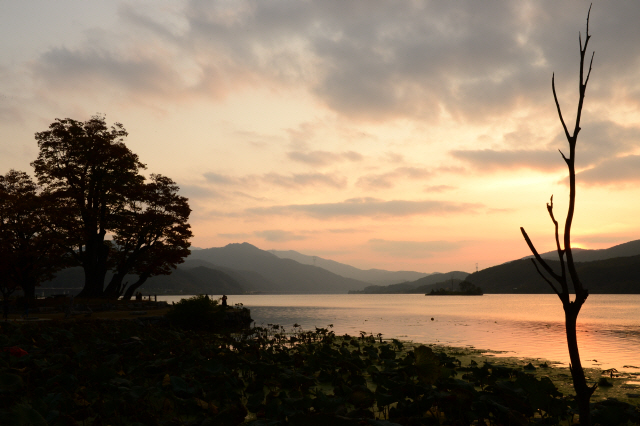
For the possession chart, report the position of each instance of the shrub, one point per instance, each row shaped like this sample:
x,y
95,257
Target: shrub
x,y
197,313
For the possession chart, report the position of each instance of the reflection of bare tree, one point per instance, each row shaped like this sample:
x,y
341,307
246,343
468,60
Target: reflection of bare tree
x,y
571,308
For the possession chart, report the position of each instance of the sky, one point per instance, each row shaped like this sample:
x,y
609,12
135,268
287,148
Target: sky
x,y
401,135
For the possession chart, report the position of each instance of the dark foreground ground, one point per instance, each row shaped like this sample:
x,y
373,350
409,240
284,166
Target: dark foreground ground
x,y
83,371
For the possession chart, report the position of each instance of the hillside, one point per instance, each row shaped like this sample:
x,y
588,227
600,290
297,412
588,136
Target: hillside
x,y
632,248
418,286
617,275
288,275
371,276
196,280
250,281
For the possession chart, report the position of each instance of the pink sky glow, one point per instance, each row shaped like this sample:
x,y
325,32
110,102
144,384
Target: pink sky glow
x,y
397,135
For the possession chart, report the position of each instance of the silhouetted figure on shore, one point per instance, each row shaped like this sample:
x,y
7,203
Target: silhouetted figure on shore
x,y
224,301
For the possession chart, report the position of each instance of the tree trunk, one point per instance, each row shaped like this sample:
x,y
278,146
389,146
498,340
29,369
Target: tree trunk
x,y
571,309
114,288
583,391
95,268
133,287
29,288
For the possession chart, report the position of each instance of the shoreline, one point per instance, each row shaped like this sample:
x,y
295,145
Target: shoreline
x,y
625,385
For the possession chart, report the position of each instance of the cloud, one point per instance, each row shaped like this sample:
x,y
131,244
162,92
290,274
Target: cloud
x,y
305,179
371,207
220,179
599,140
439,188
609,239
344,230
389,179
199,192
495,160
295,180
278,235
238,236
372,61
323,158
393,157
620,172
413,249
251,197
352,156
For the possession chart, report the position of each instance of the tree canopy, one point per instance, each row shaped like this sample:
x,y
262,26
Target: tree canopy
x,y
152,236
104,214
28,253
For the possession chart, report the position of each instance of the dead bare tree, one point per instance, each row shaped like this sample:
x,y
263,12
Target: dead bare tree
x,y
571,307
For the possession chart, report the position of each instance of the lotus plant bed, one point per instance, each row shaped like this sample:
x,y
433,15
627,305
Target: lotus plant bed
x,y
92,372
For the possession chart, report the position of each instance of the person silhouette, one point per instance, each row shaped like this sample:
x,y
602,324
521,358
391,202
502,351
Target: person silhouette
x,y
224,300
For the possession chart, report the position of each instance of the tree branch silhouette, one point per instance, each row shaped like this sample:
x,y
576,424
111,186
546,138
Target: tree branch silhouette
x,y
571,308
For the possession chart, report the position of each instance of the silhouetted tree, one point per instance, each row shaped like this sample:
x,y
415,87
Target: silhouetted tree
x,y
89,170
571,307
152,236
29,253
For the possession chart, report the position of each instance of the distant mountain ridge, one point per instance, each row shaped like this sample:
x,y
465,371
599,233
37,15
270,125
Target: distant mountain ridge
x,y
287,275
244,268
196,280
631,248
371,276
618,275
425,283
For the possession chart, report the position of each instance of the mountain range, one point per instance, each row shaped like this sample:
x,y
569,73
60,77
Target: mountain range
x,y
612,270
244,268
373,276
613,275
632,248
425,283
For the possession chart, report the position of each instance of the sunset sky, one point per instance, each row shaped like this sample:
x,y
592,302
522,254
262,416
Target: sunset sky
x,y
403,135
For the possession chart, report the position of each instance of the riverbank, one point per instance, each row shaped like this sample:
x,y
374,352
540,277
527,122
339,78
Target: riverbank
x,y
624,386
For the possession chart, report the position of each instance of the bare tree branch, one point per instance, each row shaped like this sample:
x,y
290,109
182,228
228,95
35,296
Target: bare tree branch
x,y
555,97
545,278
571,308
538,257
563,282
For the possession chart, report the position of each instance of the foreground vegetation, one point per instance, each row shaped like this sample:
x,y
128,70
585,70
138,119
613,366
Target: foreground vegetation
x,y
97,372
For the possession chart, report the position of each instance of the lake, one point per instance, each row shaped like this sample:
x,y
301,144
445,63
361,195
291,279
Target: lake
x,y
528,326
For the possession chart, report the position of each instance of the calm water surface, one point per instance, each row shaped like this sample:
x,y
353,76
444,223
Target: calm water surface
x,y
530,326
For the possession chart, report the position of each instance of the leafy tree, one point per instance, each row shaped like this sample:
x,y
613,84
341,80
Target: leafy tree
x,y
568,274
152,236
28,253
99,193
